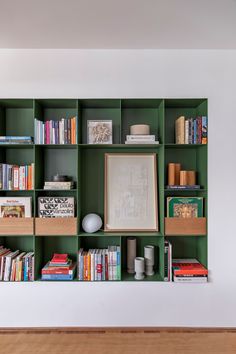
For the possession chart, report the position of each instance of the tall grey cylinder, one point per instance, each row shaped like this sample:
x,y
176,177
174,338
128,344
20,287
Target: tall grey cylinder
x,y
131,253
149,259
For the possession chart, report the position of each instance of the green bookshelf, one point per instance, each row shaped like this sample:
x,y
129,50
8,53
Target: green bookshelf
x,y
85,163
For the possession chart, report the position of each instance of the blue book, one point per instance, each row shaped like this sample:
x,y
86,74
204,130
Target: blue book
x,y
57,276
195,131
118,277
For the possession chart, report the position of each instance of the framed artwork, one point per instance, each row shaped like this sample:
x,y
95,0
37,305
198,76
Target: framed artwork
x,y
99,131
131,202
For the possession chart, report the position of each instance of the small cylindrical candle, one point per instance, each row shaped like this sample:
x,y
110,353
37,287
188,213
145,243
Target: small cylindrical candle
x,y
139,268
183,178
140,129
191,178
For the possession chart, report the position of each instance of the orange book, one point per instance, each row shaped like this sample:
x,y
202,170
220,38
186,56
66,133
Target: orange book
x,y
188,267
89,266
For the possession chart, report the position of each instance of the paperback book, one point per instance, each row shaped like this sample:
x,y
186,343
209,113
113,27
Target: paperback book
x,y
15,207
56,207
185,207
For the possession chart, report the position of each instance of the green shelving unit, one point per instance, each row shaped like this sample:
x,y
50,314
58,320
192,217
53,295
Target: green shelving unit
x,y
85,163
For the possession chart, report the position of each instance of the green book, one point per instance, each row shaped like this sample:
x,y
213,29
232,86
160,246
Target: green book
x,y
184,207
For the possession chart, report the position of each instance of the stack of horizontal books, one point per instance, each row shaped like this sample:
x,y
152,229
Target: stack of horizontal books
x,y
16,140
59,268
189,271
141,139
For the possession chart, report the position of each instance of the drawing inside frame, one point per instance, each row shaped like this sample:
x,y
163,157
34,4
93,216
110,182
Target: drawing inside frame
x,y
131,202
99,132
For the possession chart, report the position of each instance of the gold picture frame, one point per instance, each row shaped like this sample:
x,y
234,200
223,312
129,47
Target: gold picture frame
x,y
131,192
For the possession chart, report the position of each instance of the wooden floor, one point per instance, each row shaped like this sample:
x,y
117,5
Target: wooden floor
x,y
118,341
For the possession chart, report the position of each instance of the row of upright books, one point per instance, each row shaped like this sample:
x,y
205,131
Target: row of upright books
x,y
63,131
183,270
14,177
16,265
191,131
99,264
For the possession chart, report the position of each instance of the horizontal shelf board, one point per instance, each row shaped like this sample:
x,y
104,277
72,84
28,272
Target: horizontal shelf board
x,y
17,146
102,234
140,103
183,235
185,190
56,190
184,102
57,146
184,146
119,146
130,277
99,103
17,190
16,235
17,103
57,103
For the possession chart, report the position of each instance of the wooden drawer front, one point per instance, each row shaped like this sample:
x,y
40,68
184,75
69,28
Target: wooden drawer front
x,y
16,226
55,226
181,226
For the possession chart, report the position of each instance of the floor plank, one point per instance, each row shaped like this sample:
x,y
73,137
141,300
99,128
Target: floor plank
x,y
105,342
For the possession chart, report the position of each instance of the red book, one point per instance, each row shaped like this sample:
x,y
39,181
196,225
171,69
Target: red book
x,y
59,258
188,267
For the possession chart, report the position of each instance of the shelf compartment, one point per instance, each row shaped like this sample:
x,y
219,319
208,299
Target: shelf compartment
x,y
50,161
100,109
144,111
174,108
16,117
16,226
55,226
189,247
46,246
185,226
158,242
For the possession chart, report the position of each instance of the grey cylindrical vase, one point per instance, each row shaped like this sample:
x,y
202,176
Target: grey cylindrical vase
x,y
149,259
139,268
131,254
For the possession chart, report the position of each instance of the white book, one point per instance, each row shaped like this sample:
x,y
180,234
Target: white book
x,y
19,207
53,207
186,136
141,142
190,279
9,258
140,137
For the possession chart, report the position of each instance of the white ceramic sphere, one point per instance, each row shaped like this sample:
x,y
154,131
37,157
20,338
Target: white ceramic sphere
x,y
91,223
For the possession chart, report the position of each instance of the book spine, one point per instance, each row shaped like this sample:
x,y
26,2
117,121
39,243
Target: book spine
x,y
1,181
118,277
57,277
204,130
140,137
186,137
195,131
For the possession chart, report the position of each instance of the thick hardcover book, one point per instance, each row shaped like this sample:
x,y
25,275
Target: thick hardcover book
x,y
180,130
140,137
188,267
190,279
185,207
57,276
56,207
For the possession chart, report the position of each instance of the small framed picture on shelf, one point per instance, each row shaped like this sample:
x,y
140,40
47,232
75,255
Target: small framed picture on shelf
x,y
131,202
99,132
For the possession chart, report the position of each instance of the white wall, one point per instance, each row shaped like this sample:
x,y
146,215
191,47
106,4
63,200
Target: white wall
x,y
139,73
